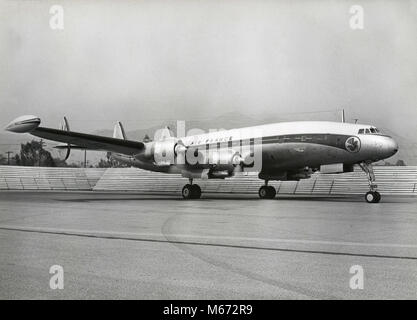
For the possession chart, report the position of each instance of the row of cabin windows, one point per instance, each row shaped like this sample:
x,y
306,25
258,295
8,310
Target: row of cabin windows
x,y
368,131
220,140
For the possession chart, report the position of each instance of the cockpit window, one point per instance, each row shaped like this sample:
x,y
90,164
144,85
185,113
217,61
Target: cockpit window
x,y
370,130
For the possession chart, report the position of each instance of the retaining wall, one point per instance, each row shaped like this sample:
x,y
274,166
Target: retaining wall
x,y
390,180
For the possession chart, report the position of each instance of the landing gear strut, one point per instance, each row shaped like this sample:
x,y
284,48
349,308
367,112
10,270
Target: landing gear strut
x,y
372,196
191,191
267,192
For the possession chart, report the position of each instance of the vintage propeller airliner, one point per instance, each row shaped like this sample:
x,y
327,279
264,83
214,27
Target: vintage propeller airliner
x,y
279,151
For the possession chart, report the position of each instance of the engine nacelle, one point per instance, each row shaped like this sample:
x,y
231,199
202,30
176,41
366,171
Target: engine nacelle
x,y
293,175
206,174
165,152
220,174
298,175
215,160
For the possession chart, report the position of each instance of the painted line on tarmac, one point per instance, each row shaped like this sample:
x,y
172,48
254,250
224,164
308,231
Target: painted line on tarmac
x,y
153,237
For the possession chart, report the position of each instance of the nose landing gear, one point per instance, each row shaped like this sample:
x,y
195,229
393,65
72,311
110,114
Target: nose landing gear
x,y
191,191
372,196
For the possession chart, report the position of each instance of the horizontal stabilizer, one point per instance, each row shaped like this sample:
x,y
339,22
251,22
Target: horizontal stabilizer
x,y
30,124
90,141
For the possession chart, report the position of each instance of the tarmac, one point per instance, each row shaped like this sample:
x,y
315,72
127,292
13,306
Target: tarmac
x,y
131,246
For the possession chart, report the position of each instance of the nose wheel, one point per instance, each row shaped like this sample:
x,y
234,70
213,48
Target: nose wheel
x,y
191,191
267,192
372,196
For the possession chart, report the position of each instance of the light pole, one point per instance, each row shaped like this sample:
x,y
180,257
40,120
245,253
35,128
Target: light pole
x,y
8,157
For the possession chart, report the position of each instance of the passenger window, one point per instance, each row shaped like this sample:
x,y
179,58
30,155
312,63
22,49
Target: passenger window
x,y
361,131
367,131
373,130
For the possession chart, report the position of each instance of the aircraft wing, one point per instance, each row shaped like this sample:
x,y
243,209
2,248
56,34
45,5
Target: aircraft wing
x,y
83,140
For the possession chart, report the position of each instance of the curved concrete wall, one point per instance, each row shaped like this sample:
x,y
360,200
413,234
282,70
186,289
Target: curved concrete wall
x,y
42,178
391,180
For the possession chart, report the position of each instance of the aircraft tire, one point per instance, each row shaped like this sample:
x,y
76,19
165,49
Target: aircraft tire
x,y
271,192
196,191
187,191
372,197
266,192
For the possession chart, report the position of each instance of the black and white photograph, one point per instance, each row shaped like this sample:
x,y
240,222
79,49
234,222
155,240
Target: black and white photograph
x,y
208,150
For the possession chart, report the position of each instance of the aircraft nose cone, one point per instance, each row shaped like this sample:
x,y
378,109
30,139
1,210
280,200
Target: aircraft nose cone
x,y
390,147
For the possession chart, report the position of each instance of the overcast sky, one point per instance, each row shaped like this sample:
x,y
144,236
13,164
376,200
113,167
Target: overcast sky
x,y
143,62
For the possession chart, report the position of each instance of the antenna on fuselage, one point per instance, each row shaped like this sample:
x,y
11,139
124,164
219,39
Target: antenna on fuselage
x,y
343,115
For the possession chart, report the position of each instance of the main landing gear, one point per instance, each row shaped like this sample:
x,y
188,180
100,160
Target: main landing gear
x,y
191,191
372,196
267,192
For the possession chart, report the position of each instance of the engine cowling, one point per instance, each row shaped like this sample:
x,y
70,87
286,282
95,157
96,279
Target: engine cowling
x,y
216,160
292,175
165,152
299,174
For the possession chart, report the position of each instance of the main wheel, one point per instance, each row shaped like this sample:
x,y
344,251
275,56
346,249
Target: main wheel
x,y
196,191
267,192
263,192
372,197
271,192
187,191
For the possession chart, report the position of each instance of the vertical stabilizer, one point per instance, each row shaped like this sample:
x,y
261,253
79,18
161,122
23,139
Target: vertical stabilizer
x,y
118,131
162,134
65,127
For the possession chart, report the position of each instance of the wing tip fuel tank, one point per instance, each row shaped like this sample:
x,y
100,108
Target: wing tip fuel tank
x,y
24,124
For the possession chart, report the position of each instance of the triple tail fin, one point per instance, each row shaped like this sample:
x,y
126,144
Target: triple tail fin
x,y
65,127
118,131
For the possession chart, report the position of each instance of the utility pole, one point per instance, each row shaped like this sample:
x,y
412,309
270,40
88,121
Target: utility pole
x,y
40,151
8,157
